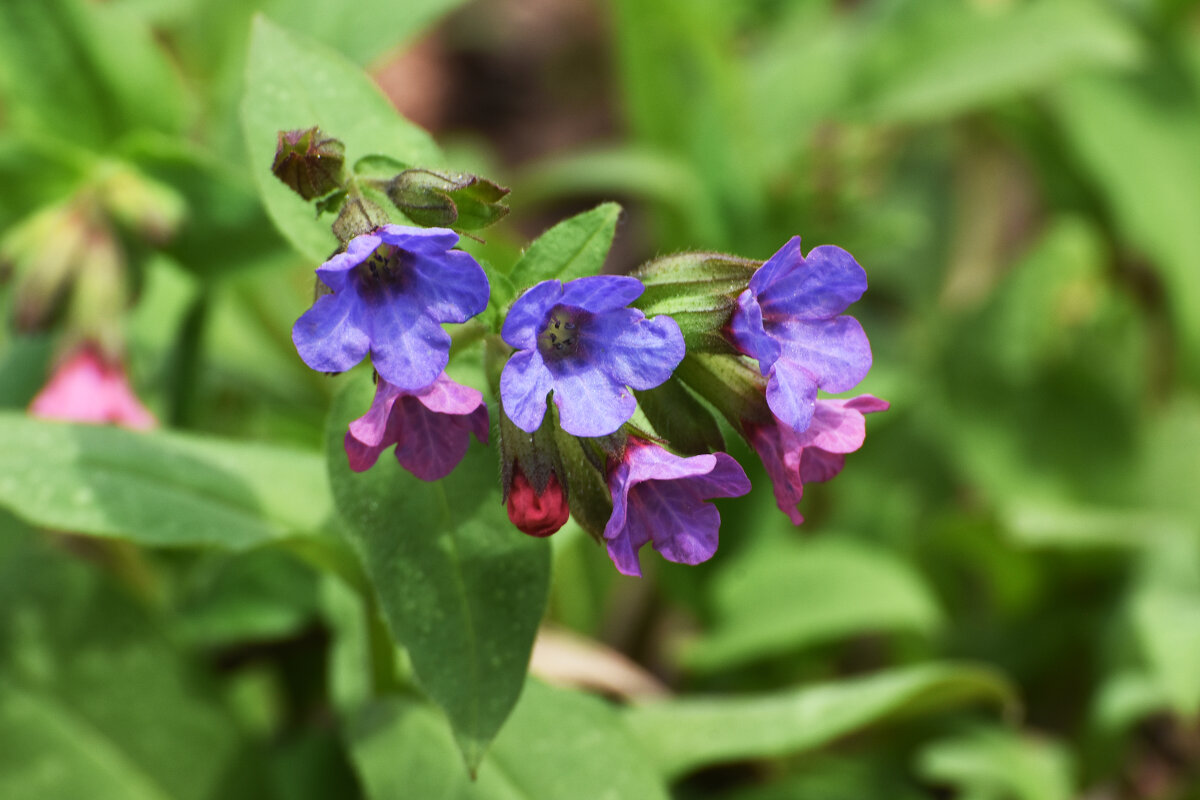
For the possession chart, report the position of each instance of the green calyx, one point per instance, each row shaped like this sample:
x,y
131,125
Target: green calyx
x,y
698,290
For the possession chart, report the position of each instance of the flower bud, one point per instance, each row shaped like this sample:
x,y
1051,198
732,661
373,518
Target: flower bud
x,y
530,466
537,514
735,389
44,253
152,209
698,290
447,199
309,162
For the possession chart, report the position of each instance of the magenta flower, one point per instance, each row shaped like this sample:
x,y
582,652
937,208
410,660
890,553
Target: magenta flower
x,y
581,342
431,428
392,290
660,497
86,388
790,319
818,454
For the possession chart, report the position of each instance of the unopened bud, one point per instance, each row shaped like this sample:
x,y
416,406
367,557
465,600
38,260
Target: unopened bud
x,y
44,253
448,199
537,513
698,291
309,162
357,217
152,209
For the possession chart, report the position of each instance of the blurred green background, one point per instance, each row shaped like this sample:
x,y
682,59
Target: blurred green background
x,y
1021,182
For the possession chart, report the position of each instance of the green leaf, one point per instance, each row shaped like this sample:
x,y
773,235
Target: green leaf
x,y
684,735
1138,141
992,762
1163,608
294,83
158,488
788,594
86,72
946,58
462,590
95,701
571,249
558,744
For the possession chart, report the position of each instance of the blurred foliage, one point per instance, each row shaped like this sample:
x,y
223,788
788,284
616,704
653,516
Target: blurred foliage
x,y
999,598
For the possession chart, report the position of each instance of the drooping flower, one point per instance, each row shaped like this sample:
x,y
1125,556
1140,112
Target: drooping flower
x,y
88,388
818,454
533,513
660,497
579,340
431,428
790,319
392,290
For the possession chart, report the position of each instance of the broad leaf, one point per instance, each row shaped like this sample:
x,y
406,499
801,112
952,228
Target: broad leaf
x,y
462,590
993,762
158,488
293,83
788,594
686,734
571,249
558,744
945,58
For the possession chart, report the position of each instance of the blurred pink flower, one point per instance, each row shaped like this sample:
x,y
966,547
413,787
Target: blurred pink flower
x,y
85,388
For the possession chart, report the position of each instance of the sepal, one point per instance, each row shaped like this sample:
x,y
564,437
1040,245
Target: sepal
x,y
310,163
448,199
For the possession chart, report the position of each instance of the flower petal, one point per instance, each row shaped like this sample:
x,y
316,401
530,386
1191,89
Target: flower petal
x,y
333,273
408,349
786,260
601,293
748,334
332,335
828,281
773,443
792,394
590,403
433,443
446,396
835,352
449,286
635,351
528,314
370,428
524,384
427,241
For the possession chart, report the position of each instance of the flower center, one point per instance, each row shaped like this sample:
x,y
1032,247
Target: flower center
x,y
560,334
384,267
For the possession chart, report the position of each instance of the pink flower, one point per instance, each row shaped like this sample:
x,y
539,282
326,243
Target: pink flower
x,y
818,454
431,428
85,388
661,498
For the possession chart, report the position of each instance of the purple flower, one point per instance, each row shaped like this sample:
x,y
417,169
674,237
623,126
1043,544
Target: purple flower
x,y
431,428
580,341
790,319
392,289
818,454
659,497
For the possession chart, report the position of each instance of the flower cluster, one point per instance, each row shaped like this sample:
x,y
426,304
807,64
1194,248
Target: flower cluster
x,y
571,362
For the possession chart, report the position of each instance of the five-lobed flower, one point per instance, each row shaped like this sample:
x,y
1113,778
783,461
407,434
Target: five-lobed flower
x,y
660,498
580,341
392,290
790,319
431,428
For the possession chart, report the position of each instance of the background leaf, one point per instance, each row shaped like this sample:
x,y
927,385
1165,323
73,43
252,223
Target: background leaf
x,y
158,488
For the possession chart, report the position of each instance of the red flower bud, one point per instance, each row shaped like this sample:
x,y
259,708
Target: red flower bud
x,y
537,514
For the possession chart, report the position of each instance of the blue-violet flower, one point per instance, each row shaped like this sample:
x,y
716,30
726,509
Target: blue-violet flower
x,y
818,454
392,290
431,428
660,497
790,319
579,340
